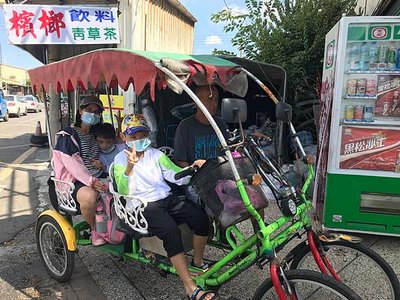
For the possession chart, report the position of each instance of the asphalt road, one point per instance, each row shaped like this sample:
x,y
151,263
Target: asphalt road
x,y
18,164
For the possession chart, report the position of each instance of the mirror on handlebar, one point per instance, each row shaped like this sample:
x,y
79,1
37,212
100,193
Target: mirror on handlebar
x,y
283,112
234,110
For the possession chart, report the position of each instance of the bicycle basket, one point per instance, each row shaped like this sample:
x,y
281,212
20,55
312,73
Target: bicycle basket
x,y
208,180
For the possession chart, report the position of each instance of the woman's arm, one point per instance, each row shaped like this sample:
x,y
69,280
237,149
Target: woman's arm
x,y
68,155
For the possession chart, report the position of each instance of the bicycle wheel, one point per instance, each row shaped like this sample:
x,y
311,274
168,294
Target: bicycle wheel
x,y
358,266
309,285
52,247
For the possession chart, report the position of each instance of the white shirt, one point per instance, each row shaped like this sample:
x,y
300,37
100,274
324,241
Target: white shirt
x,y
149,175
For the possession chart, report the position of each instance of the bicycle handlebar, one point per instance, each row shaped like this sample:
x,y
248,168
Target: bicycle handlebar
x,y
185,172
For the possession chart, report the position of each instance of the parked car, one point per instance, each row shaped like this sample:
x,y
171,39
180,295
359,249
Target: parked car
x,y
3,108
32,103
16,105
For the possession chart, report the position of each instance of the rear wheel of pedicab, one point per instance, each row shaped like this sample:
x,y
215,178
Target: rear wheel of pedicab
x,y
52,247
357,265
306,284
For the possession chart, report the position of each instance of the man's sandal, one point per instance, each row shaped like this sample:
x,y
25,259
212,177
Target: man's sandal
x,y
197,291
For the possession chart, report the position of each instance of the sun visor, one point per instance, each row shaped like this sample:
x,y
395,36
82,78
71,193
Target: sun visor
x,y
237,84
180,69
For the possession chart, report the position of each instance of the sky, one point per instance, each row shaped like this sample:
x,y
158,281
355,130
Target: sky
x,y
208,35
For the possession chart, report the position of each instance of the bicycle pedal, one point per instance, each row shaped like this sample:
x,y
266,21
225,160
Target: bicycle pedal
x,y
163,273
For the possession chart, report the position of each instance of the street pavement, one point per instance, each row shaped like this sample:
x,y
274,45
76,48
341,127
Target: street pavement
x,y
97,275
24,171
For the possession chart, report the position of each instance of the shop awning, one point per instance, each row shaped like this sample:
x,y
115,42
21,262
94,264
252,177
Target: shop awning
x,y
122,67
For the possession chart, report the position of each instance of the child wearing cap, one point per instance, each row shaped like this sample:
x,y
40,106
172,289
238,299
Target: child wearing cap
x,y
142,171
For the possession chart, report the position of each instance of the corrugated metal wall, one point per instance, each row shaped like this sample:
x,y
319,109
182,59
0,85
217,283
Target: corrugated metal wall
x,y
394,9
161,27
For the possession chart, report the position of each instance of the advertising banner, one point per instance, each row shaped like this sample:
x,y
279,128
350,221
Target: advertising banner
x,y
56,24
388,99
325,117
370,149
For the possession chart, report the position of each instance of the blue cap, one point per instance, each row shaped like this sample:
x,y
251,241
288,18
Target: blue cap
x,y
133,123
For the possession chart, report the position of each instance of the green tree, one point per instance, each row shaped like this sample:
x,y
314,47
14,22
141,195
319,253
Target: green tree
x,y
289,33
222,52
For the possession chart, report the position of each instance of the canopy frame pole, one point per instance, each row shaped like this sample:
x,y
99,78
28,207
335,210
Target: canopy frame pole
x,y
206,114
275,100
109,105
262,85
48,129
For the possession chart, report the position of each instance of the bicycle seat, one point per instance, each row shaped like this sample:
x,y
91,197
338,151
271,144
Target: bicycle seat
x,y
60,193
130,214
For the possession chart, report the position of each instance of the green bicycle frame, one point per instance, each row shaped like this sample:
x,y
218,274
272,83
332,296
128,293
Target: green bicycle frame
x,y
260,245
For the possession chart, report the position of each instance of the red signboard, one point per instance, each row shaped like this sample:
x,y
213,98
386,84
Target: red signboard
x,y
370,149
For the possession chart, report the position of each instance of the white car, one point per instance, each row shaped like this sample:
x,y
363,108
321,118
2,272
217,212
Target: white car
x,y
32,103
16,105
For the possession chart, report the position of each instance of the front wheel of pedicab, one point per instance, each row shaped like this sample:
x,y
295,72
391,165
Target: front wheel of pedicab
x,y
52,247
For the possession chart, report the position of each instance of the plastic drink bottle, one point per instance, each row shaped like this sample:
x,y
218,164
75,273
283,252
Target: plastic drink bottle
x,y
391,57
101,221
373,56
354,57
398,59
364,53
382,56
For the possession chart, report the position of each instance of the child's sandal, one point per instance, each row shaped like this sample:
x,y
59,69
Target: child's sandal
x,y
197,291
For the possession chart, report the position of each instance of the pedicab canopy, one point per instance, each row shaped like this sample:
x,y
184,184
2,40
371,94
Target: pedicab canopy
x,y
123,67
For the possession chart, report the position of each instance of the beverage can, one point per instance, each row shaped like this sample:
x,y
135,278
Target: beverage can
x,y
351,87
349,112
358,112
368,113
371,88
361,86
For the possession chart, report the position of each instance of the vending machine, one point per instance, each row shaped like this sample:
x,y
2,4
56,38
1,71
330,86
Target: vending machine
x,y
358,171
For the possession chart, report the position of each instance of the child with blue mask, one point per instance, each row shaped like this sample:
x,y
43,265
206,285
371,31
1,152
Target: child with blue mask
x,y
105,136
142,171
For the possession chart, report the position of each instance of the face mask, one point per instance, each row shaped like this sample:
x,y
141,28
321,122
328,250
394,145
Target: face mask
x,y
130,144
140,145
109,150
90,118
